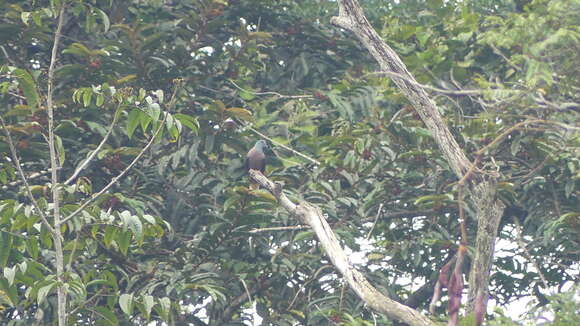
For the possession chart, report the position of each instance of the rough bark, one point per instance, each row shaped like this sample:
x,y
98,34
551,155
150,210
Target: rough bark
x,y
489,211
482,185
312,215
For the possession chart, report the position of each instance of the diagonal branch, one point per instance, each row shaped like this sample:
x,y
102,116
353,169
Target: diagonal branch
x,y
481,186
86,162
284,146
352,18
23,177
313,216
130,166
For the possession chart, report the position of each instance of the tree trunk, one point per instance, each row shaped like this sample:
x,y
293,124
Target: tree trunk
x,y
481,188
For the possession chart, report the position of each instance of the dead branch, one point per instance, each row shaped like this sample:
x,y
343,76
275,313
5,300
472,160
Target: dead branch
x,y
313,216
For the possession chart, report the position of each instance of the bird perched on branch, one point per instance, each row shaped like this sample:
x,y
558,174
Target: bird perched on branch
x,y
256,158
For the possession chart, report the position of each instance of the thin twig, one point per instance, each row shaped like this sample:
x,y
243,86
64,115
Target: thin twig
x,y
280,228
522,245
18,96
555,199
284,146
342,291
98,293
509,62
30,177
537,168
135,160
23,177
270,93
72,253
520,125
303,286
101,144
375,222
461,202
8,58
247,292
469,92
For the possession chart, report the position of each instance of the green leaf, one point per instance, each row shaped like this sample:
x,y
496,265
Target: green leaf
x,y
134,224
126,303
59,149
78,49
159,94
104,18
124,240
165,304
10,273
110,233
106,317
28,86
25,17
304,235
133,121
44,291
188,121
32,247
148,302
100,100
153,110
245,95
5,247
87,95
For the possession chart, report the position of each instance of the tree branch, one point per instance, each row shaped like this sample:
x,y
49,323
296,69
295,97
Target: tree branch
x,y
481,186
23,178
270,93
351,17
284,146
130,166
313,216
54,165
21,181
86,162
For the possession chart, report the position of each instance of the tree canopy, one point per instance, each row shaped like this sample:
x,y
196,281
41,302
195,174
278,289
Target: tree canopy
x,y
134,207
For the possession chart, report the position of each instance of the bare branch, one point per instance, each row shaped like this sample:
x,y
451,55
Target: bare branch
x,y
379,211
351,17
280,228
269,93
30,177
521,125
54,165
23,177
86,162
482,190
284,146
507,60
523,247
469,92
313,216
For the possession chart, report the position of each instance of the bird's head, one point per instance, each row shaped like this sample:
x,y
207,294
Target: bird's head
x,y
261,145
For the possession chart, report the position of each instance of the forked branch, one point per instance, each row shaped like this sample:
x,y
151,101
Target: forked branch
x,y
313,216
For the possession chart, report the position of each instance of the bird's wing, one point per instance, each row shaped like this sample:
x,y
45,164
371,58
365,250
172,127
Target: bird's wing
x,y
256,160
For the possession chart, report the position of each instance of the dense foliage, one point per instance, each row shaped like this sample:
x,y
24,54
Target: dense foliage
x,y
183,239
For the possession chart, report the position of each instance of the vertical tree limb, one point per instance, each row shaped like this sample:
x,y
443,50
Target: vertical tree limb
x,y
351,17
54,165
481,187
